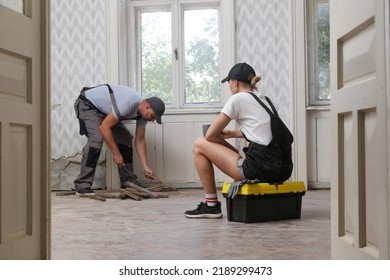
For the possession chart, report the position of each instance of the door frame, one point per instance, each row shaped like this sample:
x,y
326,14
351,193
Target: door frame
x,y
46,131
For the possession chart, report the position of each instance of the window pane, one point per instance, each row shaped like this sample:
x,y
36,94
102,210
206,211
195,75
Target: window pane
x,y
156,55
323,71
201,65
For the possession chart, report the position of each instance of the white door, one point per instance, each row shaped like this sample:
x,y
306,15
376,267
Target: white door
x,y
360,191
24,144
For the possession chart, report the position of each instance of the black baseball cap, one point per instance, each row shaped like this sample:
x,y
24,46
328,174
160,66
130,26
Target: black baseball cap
x,y
158,107
241,72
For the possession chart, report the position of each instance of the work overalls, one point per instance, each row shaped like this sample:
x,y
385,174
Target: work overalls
x,y
90,119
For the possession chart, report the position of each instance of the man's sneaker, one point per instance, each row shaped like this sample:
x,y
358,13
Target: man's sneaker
x,y
205,211
85,191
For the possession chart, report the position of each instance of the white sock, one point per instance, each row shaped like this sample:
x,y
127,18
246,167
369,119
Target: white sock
x,y
211,199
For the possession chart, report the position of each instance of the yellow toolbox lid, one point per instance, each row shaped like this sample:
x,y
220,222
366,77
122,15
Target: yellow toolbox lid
x,y
265,188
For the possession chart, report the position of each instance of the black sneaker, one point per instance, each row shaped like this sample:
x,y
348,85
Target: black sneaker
x,y
85,191
205,211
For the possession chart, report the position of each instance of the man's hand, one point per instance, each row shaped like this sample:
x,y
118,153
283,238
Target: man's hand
x,y
148,173
118,159
105,129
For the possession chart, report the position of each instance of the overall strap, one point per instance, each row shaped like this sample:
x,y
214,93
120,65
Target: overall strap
x,y
114,104
88,88
272,105
274,113
113,101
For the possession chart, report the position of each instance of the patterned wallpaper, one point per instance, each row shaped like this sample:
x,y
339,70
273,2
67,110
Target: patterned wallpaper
x,y
78,58
263,40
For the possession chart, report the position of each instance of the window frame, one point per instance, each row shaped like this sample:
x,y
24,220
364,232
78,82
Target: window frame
x,y
312,54
129,54
183,8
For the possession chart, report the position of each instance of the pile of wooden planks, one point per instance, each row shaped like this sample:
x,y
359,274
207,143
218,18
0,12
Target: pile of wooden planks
x,y
160,185
132,191
154,190
138,193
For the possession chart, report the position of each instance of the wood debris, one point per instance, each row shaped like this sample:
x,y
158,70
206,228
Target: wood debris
x,y
95,196
131,194
131,190
143,192
65,193
162,184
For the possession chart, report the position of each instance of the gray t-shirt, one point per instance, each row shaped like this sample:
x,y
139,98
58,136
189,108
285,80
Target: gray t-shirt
x,y
127,100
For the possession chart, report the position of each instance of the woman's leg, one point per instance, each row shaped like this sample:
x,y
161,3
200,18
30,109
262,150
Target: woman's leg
x,y
205,155
208,153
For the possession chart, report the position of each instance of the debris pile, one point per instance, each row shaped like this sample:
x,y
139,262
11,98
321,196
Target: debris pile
x,y
131,190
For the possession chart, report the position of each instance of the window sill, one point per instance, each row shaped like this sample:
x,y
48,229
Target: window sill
x,y
318,108
192,111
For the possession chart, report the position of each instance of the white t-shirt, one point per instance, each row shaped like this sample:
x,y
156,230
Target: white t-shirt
x,y
252,119
127,100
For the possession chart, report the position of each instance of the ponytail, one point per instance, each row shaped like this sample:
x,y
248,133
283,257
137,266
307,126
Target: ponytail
x,y
254,81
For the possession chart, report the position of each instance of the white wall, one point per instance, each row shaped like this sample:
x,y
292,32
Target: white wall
x,y
78,59
263,40
318,148
78,53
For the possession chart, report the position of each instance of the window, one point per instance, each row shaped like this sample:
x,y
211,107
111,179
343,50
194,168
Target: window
x,y
155,55
201,56
318,52
177,51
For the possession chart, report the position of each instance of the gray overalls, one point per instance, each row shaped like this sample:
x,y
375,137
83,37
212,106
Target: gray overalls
x,y
90,119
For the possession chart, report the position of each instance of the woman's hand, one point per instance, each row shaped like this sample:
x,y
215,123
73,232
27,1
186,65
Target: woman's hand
x,y
226,134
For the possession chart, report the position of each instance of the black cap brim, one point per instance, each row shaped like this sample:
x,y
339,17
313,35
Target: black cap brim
x,y
158,119
226,79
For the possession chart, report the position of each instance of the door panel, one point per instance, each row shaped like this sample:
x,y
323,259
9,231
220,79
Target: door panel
x,y
24,147
360,222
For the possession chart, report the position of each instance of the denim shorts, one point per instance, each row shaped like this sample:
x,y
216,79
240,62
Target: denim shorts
x,y
266,163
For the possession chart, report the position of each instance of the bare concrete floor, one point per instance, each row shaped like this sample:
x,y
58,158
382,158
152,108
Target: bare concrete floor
x,y
86,229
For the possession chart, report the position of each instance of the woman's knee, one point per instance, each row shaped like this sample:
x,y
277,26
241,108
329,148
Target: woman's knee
x,y
198,144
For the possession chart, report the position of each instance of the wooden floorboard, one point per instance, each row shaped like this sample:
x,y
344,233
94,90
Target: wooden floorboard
x,y
86,229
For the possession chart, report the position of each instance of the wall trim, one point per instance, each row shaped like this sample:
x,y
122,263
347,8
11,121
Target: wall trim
x,y
298,78
112,42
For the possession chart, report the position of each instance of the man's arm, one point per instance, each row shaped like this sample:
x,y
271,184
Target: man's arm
x,y
140,146
105,129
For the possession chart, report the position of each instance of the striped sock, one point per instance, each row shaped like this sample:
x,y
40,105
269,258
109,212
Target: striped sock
x,y
211,199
